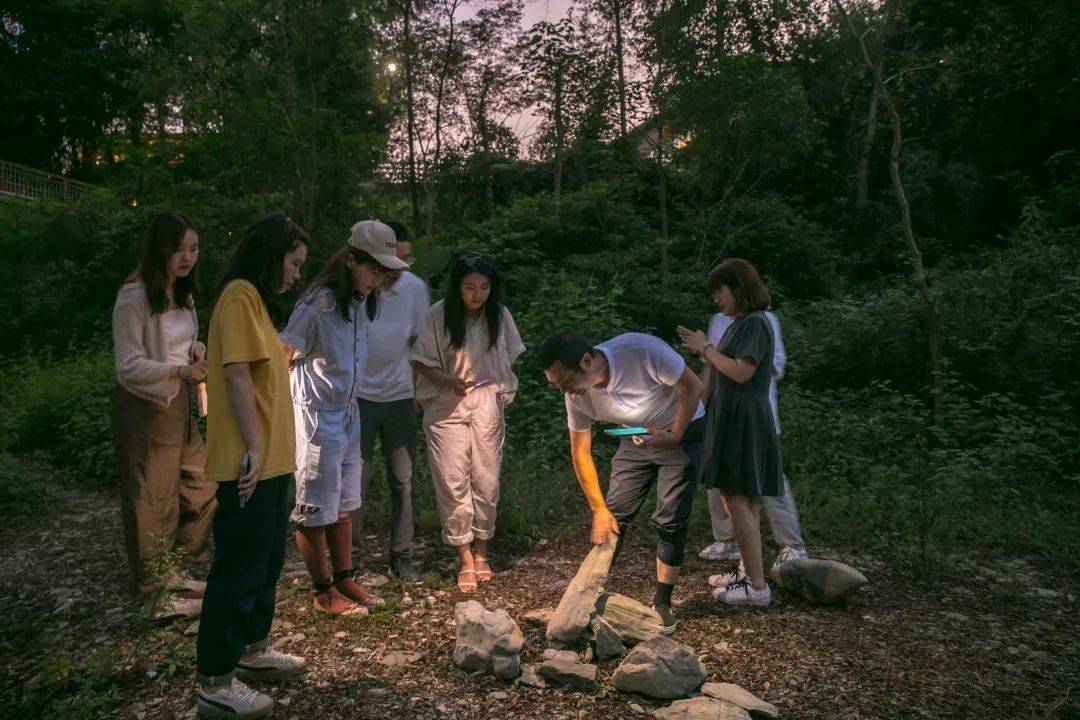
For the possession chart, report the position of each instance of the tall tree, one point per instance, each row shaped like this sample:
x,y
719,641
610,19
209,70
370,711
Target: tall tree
x,y
491,82
876,67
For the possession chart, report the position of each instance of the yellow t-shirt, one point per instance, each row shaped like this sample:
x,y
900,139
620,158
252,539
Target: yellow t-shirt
x,y
241,331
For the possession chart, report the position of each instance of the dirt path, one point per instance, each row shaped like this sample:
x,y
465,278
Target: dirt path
x,y
994,639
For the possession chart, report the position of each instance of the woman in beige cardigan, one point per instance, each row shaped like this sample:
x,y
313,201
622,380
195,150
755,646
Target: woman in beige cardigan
x,y
159,453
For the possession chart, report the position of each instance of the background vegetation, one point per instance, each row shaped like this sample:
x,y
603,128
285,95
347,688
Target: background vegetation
x,y
664,136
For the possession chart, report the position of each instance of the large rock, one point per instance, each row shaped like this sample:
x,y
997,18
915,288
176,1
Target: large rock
x,y
660,668
487,641
825,582
564,655
530,677
633,621
701,708
745,699
570,675
608,641
578,603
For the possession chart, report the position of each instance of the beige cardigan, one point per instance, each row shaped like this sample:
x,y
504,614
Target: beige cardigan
x,y
140,349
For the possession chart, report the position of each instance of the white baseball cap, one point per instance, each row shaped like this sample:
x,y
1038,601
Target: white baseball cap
x,y
378,241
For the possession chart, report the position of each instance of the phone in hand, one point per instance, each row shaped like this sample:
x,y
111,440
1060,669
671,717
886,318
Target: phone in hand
x,y
480,383
626,431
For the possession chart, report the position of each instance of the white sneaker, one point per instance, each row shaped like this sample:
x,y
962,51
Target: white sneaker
x,y
720,581
269,664
743,593
789,552
722,550
235,700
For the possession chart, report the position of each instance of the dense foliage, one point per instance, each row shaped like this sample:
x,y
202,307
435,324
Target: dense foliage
x,y
752,131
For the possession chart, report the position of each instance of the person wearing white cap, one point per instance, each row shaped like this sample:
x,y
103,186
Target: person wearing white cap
x,y
387,405
326,335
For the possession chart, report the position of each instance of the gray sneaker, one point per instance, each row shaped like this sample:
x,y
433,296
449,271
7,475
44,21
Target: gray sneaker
x,y
235,700
667,619
404,567
789,552
721,550
269,664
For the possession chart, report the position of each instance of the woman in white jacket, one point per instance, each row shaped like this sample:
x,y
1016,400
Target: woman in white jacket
x,y
164,500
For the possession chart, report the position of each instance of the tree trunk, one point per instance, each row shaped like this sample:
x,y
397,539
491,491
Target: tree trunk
x,y
661,192
560,134
616,10
431,177
410,114
863,172
926,302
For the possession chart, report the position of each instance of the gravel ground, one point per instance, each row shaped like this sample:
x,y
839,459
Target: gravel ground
x,y
993,637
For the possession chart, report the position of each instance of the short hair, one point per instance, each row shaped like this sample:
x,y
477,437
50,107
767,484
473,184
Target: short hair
x,y
401,233
745,284
567,348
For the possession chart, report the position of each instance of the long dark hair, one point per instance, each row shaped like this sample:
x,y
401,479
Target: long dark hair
x,y
260,255
337,276
160,241
467,264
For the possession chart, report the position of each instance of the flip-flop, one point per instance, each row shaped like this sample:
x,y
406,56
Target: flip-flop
x,y
483,570
466,587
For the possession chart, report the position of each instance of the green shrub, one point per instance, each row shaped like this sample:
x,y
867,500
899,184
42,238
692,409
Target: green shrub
x,y
22,492
61,409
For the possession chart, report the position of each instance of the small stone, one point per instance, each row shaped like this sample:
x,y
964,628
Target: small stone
x,y
660,668
498,696
564,655
722,647
530,677
379,692
608,642
340,634
192,630
295,637
637,708
397,658
701,708
825,582
738,696
538,618
569,675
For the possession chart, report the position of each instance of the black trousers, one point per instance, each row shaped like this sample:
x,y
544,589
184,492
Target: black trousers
x,y
249,553
395,423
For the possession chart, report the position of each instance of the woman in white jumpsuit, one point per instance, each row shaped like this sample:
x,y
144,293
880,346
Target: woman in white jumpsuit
x,y
463,358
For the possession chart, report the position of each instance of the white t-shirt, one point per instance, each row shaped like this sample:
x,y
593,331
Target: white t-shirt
x,y
640,390
178,327
402,311
721,322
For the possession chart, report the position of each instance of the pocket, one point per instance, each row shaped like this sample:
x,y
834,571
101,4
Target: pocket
x,y
307,423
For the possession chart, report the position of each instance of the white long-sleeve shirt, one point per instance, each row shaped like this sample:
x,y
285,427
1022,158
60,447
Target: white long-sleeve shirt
x,y
719,324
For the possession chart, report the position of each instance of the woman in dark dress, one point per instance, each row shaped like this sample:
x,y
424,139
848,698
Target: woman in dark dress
x,y
741,452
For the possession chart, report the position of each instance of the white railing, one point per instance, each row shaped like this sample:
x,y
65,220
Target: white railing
x,y
30,184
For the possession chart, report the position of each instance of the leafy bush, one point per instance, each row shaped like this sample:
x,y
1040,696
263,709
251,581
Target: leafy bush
x,y
22,492
62,409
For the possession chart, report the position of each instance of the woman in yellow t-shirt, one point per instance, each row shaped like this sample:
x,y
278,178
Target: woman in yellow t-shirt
x,y
250,452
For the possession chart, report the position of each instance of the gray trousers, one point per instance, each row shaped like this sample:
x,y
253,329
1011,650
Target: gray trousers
x,y
780,511
634,470
394,424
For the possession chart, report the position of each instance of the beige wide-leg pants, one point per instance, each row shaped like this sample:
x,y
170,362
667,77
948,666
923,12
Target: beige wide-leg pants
x,y
465,446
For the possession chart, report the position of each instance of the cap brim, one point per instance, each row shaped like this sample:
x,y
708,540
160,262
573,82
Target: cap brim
x,y
392,262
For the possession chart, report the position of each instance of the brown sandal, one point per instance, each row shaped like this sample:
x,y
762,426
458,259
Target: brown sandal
x,y
483,570
332,602
464,586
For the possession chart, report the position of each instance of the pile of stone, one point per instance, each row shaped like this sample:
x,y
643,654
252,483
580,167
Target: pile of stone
x,y
719,701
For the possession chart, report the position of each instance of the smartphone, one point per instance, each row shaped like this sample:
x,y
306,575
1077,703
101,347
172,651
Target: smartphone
x,y
626,431
479,384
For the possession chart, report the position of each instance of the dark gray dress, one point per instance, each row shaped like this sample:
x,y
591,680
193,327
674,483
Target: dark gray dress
x,y
741,452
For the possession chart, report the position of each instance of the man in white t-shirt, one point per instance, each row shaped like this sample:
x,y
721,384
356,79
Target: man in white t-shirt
x,y
634,380
780,510
386,403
